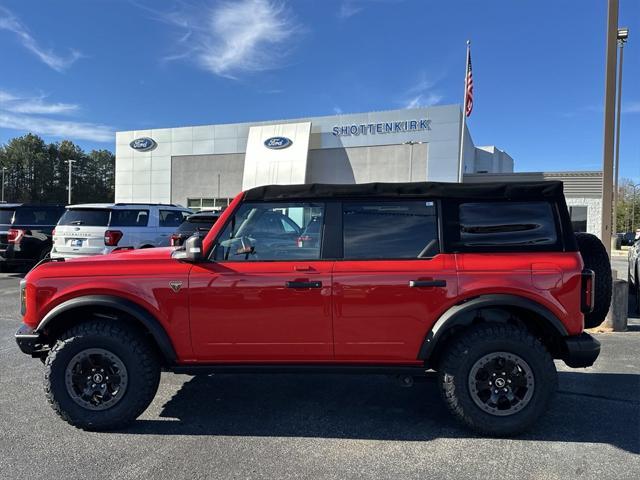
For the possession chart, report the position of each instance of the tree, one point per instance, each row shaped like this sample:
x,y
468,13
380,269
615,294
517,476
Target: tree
x,y
628,209
37,172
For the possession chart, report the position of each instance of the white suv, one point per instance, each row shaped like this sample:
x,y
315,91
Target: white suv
x,y
99,228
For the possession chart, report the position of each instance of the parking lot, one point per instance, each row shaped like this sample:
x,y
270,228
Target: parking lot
x,y
321,426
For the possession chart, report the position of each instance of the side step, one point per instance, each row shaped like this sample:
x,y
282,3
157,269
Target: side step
x,y
349,369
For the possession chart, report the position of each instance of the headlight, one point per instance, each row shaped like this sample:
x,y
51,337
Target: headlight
x,y
23,297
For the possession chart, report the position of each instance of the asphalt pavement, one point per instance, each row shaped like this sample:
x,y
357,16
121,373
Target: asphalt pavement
x,y
320,426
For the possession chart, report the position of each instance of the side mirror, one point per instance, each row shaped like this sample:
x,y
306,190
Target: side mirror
x,y
193,249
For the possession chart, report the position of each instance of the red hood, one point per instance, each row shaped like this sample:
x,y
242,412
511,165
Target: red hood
x,y
123,262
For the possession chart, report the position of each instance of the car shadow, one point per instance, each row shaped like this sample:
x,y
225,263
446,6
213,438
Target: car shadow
x,y
376,408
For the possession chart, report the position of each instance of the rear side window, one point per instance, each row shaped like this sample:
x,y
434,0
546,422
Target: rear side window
x,y
6,216
37,216
391,229
172,218
129,218
94,217
507,224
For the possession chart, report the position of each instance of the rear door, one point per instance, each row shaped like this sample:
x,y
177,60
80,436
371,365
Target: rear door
x,y
393,283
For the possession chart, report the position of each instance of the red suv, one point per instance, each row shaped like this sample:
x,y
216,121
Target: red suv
x,y
484,284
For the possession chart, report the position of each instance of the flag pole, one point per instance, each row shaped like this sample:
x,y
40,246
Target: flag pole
x,y
463,123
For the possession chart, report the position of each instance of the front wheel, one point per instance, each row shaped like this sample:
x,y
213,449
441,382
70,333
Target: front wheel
x,y
101,375
497,379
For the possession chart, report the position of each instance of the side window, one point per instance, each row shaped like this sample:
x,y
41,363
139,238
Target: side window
x,y
129,218
400,229
171,218
272,231
507,224
578,218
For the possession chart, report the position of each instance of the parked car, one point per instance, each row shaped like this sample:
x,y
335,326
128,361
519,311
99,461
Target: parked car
x,y
25,232
200,223
628,238
484,284
634,272
100,228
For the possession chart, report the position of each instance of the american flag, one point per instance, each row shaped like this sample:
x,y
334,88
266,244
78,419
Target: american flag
x,y
468,99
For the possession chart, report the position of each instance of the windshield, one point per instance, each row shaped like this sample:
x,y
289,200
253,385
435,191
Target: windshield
x,y
94,217
6,216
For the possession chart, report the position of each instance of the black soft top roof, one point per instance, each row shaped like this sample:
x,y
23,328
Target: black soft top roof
x,y
479,191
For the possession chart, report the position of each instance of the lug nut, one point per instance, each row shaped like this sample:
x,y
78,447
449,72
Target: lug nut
x,y
102,386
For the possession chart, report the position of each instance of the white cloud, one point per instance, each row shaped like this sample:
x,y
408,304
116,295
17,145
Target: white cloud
x,y
348,9
423,100
423,93
26,114
11,23
237,37
33,105
631,107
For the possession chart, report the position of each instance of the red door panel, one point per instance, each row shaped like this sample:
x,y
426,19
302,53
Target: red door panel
x,y
261,311
378,316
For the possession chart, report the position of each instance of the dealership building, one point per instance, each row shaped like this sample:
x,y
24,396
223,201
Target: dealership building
x,y
202,167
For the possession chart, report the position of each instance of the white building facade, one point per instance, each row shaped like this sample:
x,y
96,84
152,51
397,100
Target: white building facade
x,y
204,166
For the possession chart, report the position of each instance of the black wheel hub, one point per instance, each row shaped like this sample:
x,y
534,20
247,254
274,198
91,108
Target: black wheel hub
x,y
96,379
501,383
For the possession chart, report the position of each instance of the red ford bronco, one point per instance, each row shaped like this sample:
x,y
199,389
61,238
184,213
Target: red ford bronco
x,y
485,284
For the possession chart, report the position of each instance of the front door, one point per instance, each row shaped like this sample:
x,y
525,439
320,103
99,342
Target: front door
x,y
393,283
265,296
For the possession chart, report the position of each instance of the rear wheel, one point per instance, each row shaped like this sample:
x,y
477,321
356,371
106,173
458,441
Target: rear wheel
x,y
595,257
497,379
101,375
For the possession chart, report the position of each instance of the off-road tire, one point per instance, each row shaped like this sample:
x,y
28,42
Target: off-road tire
x,y
469,347
595,258
140,360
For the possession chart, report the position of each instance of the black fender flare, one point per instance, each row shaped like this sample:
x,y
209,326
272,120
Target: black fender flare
x,y
454,317
140,314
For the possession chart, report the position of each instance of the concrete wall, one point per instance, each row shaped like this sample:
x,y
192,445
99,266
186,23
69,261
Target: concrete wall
x,y
594,212
386,163
196,176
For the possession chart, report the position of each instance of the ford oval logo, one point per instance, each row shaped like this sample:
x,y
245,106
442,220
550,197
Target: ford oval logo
x,y
143,144
276,143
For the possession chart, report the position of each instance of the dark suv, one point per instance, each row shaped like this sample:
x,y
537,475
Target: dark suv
x,y
483,285
25,232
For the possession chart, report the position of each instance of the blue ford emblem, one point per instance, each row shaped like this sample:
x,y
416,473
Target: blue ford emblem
x,y
143,144
276,143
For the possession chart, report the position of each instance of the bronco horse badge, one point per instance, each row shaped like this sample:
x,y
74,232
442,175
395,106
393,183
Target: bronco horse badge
x,y
175,285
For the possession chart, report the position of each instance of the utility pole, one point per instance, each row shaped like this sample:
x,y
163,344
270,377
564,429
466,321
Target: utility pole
x,y
606,233
3,170
623,34
70,162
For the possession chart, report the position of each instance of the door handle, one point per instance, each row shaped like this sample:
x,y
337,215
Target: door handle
x,y
303,284
427,283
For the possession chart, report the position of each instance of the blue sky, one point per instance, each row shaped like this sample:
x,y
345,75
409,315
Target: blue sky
x,y
82,69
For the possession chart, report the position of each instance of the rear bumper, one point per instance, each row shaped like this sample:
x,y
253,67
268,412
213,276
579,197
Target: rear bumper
x,y
581,350
30,342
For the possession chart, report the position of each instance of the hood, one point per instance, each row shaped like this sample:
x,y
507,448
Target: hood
x,y
125,262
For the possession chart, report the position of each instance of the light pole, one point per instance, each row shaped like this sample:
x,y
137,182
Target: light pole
x,y
3,170
70,162
623,35
606,235
411,143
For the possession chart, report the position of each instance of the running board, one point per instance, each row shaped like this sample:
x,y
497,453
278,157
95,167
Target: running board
x,y
348,369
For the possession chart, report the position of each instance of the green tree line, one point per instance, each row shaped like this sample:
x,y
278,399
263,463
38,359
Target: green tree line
x,y
38,172
628,208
